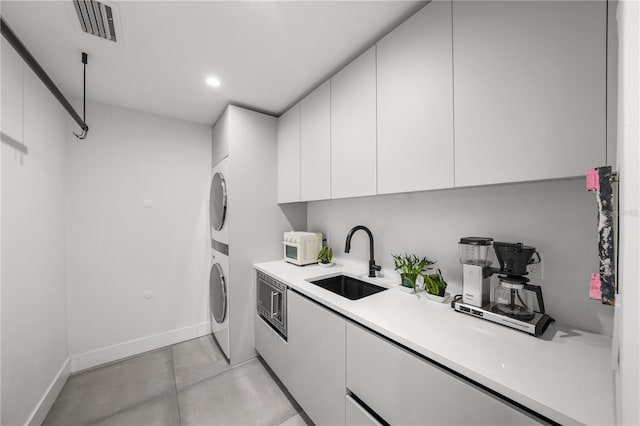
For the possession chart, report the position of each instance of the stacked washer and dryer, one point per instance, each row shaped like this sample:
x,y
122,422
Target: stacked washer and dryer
x,y
243,158
219,273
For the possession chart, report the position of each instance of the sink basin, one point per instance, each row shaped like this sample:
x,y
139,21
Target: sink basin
x,y
348,287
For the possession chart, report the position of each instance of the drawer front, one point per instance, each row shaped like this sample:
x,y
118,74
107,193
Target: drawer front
x,y
358,416
405,389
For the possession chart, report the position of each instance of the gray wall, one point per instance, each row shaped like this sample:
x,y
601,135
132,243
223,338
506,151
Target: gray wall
x,y
558,217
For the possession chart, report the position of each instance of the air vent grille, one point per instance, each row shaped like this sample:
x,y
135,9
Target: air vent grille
x,y
96,18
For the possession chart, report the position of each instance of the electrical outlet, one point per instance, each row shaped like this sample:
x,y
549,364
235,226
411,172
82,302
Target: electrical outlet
x,y
536,270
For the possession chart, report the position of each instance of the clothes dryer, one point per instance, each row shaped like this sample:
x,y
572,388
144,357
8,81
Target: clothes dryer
x,y
218,206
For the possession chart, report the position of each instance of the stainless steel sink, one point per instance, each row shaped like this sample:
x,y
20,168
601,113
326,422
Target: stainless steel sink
x,y
349,287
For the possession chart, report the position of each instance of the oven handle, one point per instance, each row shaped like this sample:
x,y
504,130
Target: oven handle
x,y
273,314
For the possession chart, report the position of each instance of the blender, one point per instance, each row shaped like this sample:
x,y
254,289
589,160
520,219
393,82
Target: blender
x,y
513,301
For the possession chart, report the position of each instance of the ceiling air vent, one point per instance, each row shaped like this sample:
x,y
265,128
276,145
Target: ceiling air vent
x,y
96,18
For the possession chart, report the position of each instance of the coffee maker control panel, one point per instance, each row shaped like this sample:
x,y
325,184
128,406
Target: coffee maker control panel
x,y
476,288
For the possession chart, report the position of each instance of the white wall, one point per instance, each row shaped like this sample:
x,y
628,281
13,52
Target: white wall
x,y
628,302
120,251
34,293
558,217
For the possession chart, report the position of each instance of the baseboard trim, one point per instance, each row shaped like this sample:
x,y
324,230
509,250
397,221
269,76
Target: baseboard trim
x,y
48,398
134,347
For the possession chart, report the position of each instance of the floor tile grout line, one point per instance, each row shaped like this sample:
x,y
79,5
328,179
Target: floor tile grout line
x,y
175,385
122,410
229,368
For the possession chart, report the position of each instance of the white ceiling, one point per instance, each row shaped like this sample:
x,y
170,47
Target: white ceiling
x,y
268,54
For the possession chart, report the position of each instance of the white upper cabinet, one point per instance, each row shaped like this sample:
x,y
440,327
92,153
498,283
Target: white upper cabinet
x,y
220,139
529,89
415,103
315,144
353,128
289,156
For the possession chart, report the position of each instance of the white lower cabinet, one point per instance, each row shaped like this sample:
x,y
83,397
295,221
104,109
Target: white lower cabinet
x,y
404,389
341,373
316,343
272,348
356,415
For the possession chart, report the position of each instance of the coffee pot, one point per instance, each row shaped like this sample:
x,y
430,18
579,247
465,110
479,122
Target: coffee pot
x,y
513,298
514,295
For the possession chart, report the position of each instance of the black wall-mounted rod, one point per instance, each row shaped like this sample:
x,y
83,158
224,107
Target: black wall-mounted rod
x,y
11,37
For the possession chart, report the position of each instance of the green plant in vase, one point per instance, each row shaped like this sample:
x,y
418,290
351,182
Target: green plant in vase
x,y
325,255
410,267
435,283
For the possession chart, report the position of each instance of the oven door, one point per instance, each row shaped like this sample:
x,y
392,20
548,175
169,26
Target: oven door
x,y
271,302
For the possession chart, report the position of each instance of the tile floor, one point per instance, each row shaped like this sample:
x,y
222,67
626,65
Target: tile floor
x,y
189,383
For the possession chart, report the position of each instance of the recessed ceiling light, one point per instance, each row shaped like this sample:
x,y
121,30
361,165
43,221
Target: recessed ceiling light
x,y
213,81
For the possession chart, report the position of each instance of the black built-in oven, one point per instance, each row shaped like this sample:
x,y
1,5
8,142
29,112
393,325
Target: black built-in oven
x,y
272,302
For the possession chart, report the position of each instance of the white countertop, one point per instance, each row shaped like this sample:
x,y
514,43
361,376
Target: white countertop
x,y
564,375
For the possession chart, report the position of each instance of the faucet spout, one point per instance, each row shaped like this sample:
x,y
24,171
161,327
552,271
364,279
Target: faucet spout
x,y
347,248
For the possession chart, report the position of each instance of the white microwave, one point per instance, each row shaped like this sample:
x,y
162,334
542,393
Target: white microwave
x,y
301,248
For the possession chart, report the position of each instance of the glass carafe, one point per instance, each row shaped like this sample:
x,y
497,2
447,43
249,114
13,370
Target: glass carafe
x,y
513,299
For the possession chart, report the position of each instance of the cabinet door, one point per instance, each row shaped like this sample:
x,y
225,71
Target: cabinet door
x,y
353,128
272,348
315,145
529,89
289,156
406,390
316,338
220,139
415,103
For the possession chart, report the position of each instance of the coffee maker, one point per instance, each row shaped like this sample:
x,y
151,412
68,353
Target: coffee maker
x,y
512,304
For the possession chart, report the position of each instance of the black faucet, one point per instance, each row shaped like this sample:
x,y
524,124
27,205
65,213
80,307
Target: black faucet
x,y
372,263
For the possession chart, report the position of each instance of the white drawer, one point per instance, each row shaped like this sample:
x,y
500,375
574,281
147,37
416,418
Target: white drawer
x,y
358,416
405,389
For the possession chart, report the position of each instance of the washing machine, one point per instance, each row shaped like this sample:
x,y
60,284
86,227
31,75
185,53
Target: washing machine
x,y
219,272
219,299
